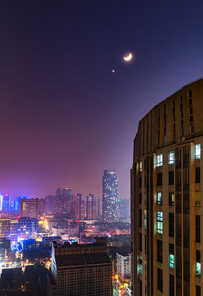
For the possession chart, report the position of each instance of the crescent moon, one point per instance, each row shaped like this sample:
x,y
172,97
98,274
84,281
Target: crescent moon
x,y
128,58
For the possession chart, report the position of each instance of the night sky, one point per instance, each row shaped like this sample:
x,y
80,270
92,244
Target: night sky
x,y
65,117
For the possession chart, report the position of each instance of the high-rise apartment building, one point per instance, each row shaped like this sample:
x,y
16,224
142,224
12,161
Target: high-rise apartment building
x,y
6,202
91,207
63,203
80,207
82,270
123,208
29,208
110,196
49,204
166,197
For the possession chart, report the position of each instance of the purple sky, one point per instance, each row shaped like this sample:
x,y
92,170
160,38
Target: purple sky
x,y
65,117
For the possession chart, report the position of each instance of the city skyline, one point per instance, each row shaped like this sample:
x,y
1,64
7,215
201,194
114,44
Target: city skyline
x,y
69,102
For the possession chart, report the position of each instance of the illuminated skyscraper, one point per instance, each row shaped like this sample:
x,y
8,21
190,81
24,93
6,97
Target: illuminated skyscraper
x,y
166,197
1,201
91,207
6,202
80,207
110,196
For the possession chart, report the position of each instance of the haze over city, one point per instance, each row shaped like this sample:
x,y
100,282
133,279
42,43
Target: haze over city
x,y
65,115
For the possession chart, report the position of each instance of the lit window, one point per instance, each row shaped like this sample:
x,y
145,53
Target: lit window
x,y
159,198
171,261
197,151
171,157
159,160
140,265
171,198
145,219
198,264
198,269
140,166
197,198
171,255
160,222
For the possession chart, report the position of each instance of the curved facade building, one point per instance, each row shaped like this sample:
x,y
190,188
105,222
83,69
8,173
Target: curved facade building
x,y
167,197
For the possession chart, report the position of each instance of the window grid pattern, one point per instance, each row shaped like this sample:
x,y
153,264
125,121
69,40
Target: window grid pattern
x,y
181,116
191,112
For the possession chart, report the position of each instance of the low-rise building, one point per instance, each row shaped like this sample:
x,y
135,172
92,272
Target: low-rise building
x,y
82,269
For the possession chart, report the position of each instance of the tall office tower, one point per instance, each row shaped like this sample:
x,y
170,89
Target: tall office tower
x,y
99,207
6,202
49,204
68,202
82,270
91,207
166,197
17,202
42,207
1,201
29,208
58,203
123,208
110,196
80,209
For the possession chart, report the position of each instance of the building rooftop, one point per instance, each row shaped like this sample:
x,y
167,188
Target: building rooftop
x,y
82,259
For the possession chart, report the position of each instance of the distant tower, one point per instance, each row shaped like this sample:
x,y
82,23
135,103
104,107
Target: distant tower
x,y
110,196
6,202
29,208
17,202
80,207
91,207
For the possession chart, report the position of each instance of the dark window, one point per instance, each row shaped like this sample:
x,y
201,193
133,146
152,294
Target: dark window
x,y
160,279
171,285
197,177
171,198
159,179
197,228
159,251
171,224
171,178
198,290
190,93
140,182
191,120
140,241
192,129
145,241
140,197
140,288
140,218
